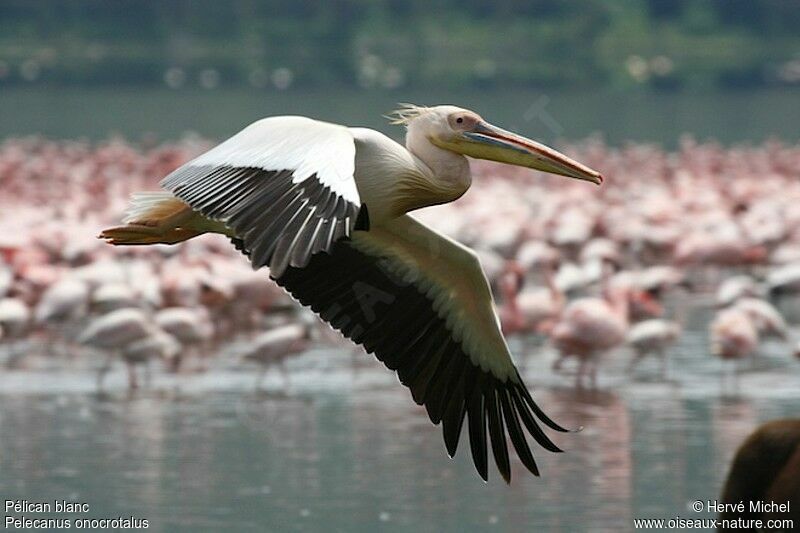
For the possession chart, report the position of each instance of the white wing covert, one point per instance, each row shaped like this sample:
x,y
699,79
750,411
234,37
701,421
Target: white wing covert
x,y
283,185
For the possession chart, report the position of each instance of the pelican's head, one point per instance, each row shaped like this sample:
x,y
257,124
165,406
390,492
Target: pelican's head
x,y
464,132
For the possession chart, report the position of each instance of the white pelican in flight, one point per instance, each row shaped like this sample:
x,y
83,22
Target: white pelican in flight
x,y
325,207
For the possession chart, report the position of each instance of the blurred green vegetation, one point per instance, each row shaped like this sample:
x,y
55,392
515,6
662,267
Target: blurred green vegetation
x,y
659,44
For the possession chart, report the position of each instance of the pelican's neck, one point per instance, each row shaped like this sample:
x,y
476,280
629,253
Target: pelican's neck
x,y
448,169
393,180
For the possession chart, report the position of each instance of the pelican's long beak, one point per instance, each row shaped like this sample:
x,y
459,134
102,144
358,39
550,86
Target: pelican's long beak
x,y
490,142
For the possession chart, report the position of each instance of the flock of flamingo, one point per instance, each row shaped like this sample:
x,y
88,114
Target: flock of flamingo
x,y
589,271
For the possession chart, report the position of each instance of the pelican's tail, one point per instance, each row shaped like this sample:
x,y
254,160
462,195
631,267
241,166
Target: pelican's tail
x,y
156,208
158,218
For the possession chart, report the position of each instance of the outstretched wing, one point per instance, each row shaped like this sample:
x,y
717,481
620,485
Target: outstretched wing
x,y
284,185
421,303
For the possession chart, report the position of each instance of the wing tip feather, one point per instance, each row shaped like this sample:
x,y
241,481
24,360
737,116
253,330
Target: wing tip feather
x,y
492,407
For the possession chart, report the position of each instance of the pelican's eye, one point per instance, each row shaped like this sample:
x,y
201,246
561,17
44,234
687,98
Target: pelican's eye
x,y
462,121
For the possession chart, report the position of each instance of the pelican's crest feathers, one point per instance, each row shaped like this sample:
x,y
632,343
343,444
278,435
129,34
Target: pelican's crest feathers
x,y
406,113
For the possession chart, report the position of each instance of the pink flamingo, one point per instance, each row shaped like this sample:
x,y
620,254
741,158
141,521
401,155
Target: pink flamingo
x,y
122,332
735,288
765,317
733,337
15,318
512,320
191,327
592,326
541,306
61,309
653,336
529,310
275,346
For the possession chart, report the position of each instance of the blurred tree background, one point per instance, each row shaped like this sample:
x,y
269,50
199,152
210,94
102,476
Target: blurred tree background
x,y
667,45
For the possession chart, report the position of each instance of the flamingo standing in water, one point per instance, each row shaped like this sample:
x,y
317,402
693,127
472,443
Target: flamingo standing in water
x,y
190,327
737,330
325,207
590,327
587,328
734,337
62,308
157,344
130,334
530,310
735,288
767,320
15,318
275,346
653,336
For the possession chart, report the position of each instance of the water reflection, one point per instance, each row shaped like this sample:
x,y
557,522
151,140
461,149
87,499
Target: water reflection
x,y
731,117
346,451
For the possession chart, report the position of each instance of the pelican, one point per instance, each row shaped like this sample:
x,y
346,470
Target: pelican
x,y
325,207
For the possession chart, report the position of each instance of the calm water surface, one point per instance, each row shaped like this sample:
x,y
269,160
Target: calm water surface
x,y
346,450
742,116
